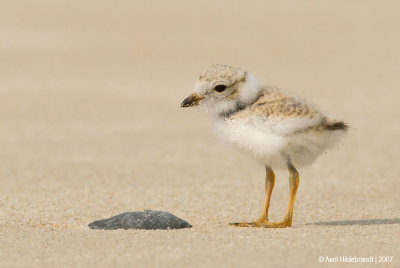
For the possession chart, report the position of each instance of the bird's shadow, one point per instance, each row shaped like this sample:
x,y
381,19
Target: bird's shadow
x,y
357,222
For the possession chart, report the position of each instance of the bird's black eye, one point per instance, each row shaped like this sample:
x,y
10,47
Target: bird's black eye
x,y
220,88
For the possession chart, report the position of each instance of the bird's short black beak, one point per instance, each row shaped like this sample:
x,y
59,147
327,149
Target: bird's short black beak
x,y
192,100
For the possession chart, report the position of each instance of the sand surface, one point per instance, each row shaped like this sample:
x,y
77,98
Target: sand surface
x,y
90,127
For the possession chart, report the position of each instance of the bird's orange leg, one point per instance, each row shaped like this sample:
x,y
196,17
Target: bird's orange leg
x,y
269,185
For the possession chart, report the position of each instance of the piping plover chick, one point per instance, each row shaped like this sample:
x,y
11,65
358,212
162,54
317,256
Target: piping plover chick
x,y
278,129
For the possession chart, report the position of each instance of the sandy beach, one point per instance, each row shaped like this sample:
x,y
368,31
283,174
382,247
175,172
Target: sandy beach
x,y
90,127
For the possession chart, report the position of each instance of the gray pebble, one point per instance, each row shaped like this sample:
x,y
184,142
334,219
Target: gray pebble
x,y
148,220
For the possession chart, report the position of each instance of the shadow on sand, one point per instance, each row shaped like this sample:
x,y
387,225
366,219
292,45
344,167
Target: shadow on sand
x,y
358,222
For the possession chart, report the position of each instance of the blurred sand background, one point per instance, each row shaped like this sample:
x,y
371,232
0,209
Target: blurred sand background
x,y
91,127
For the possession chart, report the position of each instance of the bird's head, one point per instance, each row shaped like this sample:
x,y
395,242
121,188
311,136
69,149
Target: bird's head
x,y
221,89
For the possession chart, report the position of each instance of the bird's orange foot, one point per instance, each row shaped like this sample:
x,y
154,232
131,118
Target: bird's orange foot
x,y
263,224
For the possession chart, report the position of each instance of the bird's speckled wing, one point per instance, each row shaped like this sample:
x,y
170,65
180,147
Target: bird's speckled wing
x,y
279,112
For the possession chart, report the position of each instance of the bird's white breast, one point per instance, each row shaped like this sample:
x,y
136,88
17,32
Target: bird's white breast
x,y
264,145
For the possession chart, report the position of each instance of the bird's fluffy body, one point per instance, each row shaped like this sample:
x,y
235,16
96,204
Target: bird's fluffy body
x,y
267,123
277,127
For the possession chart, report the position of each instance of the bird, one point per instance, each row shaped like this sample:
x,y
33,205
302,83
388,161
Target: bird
x,y
278,129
